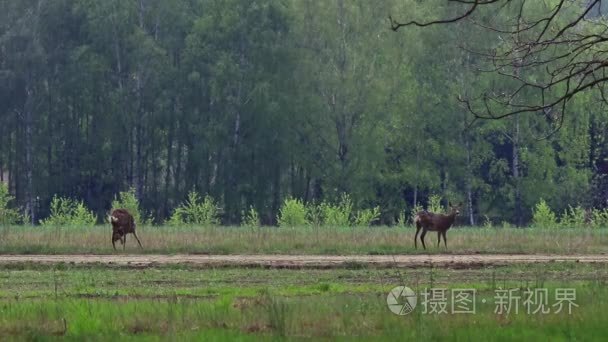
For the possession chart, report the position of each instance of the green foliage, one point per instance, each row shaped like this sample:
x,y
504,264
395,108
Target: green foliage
x,y
435,204
314,214
415,210
128,200
366,217
251,218
402,219
543,216
195,211
26,218
506,225
487,222
69,212
7,215
573,217
347,56
337,214
599,218
293,213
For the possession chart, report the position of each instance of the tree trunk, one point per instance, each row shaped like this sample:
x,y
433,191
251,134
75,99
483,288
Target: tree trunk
x,y
29,167
168,169
139,85
415,202
516,175
516,142
469,181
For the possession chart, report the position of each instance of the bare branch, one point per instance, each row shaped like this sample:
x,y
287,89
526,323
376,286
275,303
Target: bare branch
x,y
553,56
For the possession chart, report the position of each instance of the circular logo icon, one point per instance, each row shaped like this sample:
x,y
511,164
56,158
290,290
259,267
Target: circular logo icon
x,y
401,300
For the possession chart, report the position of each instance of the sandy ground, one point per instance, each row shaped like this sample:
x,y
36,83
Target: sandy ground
x,y
304,261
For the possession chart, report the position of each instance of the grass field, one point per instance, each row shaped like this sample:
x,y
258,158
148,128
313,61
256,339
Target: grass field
x,y
41,302
302,240
184,302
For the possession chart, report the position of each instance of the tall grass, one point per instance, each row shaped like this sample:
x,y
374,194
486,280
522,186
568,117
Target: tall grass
x,y
246,304
302,240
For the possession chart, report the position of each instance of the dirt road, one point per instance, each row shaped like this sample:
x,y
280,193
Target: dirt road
x,y
304,261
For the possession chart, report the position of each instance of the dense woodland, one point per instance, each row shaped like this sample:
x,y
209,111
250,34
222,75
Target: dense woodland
x,y
256,101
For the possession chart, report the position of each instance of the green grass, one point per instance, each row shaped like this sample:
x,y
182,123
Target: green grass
x,y
302,240
181,303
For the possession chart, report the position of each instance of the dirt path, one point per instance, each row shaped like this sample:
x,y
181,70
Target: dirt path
x,y
301,261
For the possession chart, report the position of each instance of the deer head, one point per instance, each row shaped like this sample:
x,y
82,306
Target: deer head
x,y
455,209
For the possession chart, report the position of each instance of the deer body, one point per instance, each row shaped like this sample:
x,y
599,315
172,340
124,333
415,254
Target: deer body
x,y
427,221
123,223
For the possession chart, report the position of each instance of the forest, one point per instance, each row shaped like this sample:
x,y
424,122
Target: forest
x,y
255,102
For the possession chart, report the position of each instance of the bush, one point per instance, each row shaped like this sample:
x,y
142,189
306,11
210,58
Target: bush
x,y
128,200
599,218
543,216
251,218
415,210
7,215
506,225
366,217
338,214
69,212
487,222
573,217
435,204
292,213
402,219
314,214
193,211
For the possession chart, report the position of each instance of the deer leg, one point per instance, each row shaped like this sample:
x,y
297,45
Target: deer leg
x,y
416,237
113,242
124,241
136,238
444,240
422,238
438,239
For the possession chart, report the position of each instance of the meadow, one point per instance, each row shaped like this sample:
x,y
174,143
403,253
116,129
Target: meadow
x,y
180,302
186,302
301,240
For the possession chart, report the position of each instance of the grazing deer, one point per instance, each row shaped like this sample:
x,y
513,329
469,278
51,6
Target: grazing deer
x,y
123,223
433,222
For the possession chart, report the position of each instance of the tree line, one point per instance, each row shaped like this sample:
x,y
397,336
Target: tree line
x,y
254,102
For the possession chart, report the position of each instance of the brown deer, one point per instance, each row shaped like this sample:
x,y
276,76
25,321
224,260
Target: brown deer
x,y
123,223
433,222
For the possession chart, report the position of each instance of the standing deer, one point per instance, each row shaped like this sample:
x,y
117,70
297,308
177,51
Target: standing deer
x,y
123,223
433,222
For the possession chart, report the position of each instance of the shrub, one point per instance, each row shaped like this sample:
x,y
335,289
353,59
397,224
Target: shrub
x,y
543,216
402,219
487,222
69,212
366,217
415,210
251,218
573,217
314,214
292,213
193,211
338,214
128,200
7,215
506,225
599,218
435,204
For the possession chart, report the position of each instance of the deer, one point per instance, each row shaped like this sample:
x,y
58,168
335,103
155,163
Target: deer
x,y
123,223
432,222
